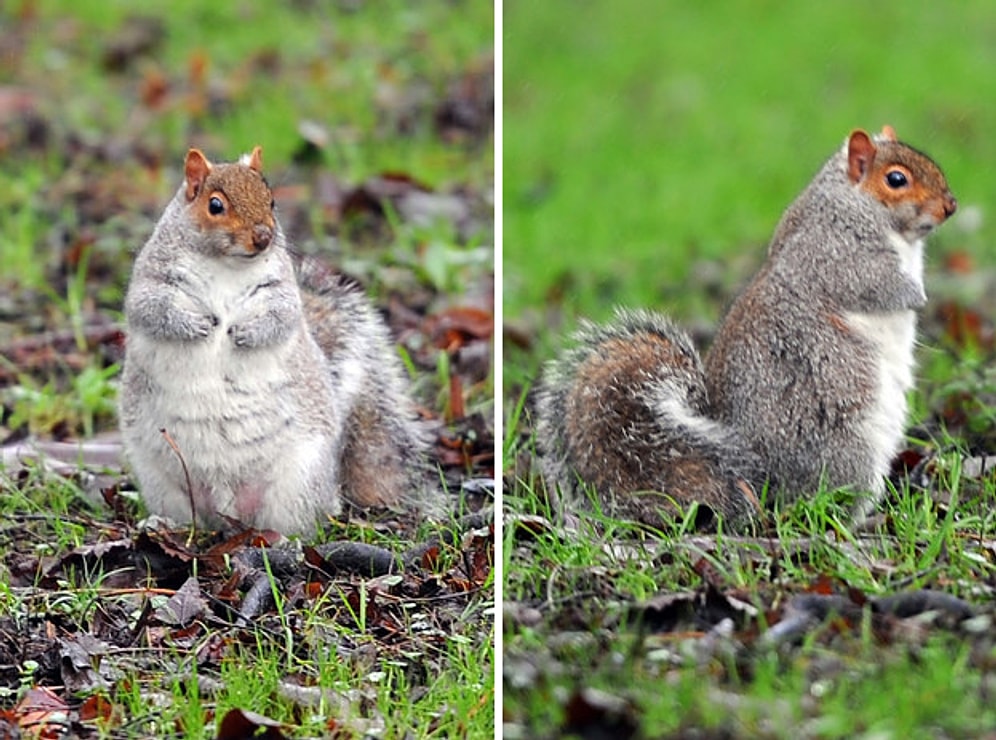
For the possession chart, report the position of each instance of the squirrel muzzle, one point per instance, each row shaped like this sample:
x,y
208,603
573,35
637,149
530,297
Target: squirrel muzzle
x,y
937,212
262,235
950,205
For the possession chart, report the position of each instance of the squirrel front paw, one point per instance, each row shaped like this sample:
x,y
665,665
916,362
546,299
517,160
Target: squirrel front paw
x,y
203,324
241,337
247,335
261,331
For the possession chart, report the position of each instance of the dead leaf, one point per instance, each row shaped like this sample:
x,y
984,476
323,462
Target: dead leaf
x,y
185,606
451,328
960,262
468,109
239,724
154,89
43,714
965,326
98,707
598,715
139,35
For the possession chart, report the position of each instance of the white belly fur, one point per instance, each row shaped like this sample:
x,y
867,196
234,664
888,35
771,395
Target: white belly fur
x,y
236,418
893,334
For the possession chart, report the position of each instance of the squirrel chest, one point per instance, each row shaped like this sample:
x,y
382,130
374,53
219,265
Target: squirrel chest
x,y
212,370
892,336
254,425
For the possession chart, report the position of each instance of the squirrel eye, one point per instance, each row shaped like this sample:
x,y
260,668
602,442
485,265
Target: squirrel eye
x,y
896,179
215,206
273,204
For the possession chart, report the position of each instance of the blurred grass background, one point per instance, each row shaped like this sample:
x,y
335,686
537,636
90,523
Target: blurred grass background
x,y
273,64
96,98
651,147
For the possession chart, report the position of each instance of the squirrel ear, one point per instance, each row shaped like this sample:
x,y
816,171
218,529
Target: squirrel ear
x,y
196,169
860,153
888,133
256,159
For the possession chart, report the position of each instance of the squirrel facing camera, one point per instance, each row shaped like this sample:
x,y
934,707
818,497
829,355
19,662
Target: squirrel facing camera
x,y
805,384
256,388
231,204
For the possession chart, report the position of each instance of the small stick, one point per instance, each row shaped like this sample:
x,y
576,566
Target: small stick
x,y
186,474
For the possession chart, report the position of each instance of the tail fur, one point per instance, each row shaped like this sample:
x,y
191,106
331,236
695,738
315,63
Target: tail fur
x,y
384,454
626,411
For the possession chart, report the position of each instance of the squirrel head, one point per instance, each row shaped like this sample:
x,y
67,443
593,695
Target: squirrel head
x,y
905,181
231,204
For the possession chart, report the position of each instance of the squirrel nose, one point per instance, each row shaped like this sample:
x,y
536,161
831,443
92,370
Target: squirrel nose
x,y
262,235
950,205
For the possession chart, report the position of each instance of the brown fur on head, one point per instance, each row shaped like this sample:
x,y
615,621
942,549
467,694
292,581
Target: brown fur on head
x,y
232,202
900,177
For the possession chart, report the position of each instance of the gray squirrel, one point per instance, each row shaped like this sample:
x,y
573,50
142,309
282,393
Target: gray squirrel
x,y
805,383
255,389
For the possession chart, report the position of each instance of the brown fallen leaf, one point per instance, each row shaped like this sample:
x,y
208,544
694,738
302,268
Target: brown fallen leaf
x,y
965,326
98,707
42,713
960,262
80,661
453,327
594,714
139,35
467,111
238,724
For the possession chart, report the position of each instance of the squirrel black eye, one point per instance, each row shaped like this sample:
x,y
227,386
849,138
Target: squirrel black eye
x,y
215,206
273,204
896,179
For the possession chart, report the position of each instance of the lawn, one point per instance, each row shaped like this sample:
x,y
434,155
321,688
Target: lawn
x,y
376,122
649,150
650,146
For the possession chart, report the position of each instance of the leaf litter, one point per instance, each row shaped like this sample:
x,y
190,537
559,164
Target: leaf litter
x,y
161,606
588,623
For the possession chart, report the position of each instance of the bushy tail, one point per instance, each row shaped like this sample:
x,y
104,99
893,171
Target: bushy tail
x,y
384,454
625,410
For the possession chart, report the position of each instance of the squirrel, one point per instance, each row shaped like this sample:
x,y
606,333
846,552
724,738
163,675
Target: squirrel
x,y
805,383
255,388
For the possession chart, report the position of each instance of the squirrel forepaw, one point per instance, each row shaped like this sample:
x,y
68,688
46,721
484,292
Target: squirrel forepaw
x,y
210,322
239,335
201,325
249,335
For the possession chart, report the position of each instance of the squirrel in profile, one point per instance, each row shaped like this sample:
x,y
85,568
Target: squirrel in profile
x,y
277,384
805,383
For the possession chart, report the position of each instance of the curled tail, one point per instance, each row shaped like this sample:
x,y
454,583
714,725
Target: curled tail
x,y
625,411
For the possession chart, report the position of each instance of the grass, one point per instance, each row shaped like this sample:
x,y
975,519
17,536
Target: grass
x,y
236,75
87,163
643,142
860,701
839,681
336,60
314,662
649,150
